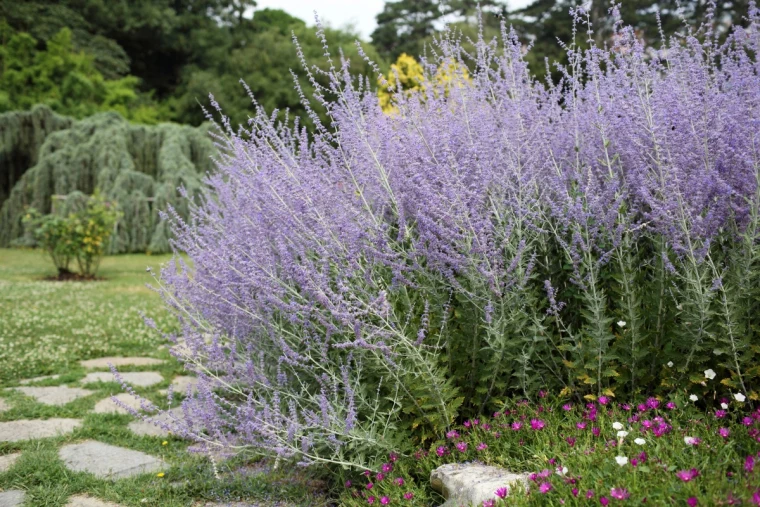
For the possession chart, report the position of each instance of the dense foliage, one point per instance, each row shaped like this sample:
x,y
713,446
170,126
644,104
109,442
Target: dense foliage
x,y
658,452
79,233
490,239
142,168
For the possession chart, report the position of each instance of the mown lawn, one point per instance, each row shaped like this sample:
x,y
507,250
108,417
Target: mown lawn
x,y
47,328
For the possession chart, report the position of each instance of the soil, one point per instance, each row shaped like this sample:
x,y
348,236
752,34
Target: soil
x,y
70,276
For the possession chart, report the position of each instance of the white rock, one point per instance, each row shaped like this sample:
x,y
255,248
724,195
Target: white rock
x,y
7,461
38,379
12,498
471,484
108,461
55,395
108,406
88,501
27,429
135,378
4,405
104,362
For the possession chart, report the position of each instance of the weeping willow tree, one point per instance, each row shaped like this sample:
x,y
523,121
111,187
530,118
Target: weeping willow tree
x,y
139,167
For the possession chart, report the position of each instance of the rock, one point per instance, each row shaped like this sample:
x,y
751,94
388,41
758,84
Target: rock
x,y
136,378
104,362
4,405
56,395
181,384
38,379
108,406
148,429
88,501
14,431
12,498
108,461
471,484
7,461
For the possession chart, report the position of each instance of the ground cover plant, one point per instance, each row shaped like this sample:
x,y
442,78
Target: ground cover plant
x,y
362,290
660,452
46,328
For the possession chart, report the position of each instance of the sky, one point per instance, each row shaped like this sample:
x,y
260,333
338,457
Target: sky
x,y
339,13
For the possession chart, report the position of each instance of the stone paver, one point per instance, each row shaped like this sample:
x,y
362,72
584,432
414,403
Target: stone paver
x,y
38,379
88,501
56,395
12,498
103,362
26,429
181,383
471,483
145,428
108,406
136,378
108,461
7,461
4,405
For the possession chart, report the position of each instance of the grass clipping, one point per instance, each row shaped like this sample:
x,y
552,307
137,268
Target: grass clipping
x,y
139,167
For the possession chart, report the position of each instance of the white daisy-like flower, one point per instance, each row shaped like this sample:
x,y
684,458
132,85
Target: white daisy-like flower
x,y
689,440
693,397
740,397
724,406
617,426
670,364
709,374
562,471
622,434
640,441
621,323
621,460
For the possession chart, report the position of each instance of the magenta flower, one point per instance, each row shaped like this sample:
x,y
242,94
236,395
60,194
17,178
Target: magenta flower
x,y
516,426
380,476
671,405
461,446
370,485
501,492
441,451
724,432
596,431
720,414
371,500
567,407
545,487
688,475
385,500
482,446
488,503
653,403
475,422
747,421
620,494
387,467
399,481
581,425
604,500
542,394
348,484
467,424
408,495
575,491
626,407
692,501
571,441
590,493
537,424
393,457
749,464
603,400
452,434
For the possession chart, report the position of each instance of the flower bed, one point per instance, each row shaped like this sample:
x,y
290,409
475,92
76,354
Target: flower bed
x,y
661,452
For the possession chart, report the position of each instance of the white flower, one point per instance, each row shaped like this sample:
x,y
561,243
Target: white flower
x,y
621,323
622,434
670,364
689,440
724,406
740,397
621,460
617,426
693,397
709,374
561,471
640,441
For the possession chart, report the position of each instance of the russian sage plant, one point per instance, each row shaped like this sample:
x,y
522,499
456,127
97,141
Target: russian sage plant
x,y
345,292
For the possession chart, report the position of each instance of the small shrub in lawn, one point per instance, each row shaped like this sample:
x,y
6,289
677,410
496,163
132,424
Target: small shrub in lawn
x,y
393,274
660,452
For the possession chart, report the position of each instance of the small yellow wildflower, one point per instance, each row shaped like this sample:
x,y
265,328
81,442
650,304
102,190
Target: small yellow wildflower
x,y
160,474
164,442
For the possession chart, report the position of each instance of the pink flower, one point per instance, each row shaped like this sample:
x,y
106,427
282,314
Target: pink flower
x,y
692,501
371,499
575,491
596,431
720,414
749,464
399,481
393,457
756,497
545,487
516,426
747,421
620,493
501,492
581,425
440,451
467,424
537,424
462,446
488,503
570,441
603,400
452,434
348,484
671,405
688,475
590,493
369,485
604,500
385,500
634,462
380,476
653,403
542,394
408,495
387,467
724,432
567,407
482,446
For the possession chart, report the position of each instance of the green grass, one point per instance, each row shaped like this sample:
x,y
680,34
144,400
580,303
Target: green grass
x,y
47,328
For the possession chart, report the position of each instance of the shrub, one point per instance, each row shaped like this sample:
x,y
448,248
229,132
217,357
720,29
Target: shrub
x,y
396,273
81,234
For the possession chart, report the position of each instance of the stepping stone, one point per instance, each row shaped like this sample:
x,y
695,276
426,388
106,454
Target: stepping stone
x,y
27,429
88,501
7,461
108,461
4,405
104,362
12,498
148,429
136,378
108,406
471,483
56,395
181,384
38,379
